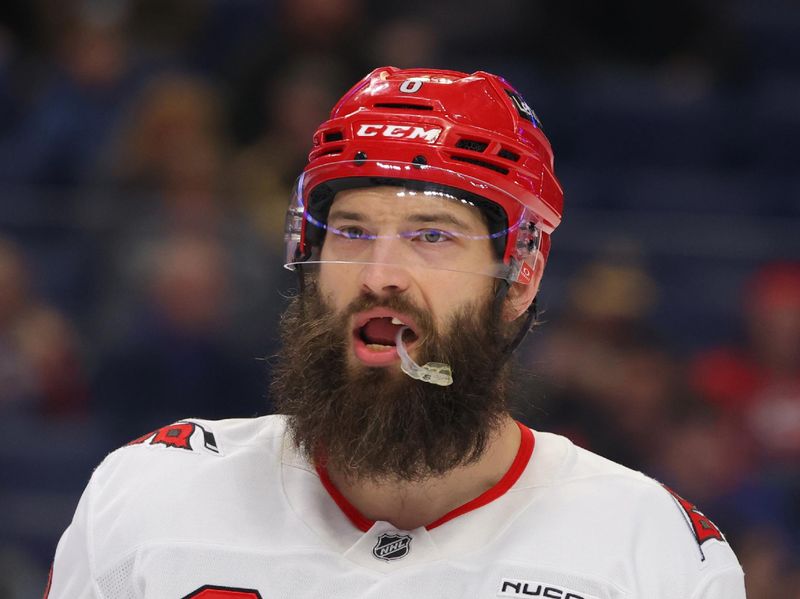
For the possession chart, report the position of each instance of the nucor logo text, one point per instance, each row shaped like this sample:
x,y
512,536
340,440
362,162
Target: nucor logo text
x,y
430,135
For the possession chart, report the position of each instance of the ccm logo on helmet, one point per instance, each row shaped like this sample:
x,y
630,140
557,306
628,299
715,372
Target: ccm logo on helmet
x,y
399,132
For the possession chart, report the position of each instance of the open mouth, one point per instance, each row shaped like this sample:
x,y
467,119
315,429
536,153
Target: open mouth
x,y
375,334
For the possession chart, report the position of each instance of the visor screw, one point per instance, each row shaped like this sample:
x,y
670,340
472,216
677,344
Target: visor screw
x,y
419,160
360,157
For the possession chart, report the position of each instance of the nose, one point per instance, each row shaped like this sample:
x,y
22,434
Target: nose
x,y
384,280
384,275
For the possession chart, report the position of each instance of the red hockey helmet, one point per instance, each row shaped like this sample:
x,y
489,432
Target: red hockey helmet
x,y
444,134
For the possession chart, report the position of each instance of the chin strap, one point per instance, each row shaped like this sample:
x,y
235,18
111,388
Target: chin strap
x,y
528,320
301,278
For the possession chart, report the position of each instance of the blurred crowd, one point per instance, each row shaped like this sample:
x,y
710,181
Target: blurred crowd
x,y
147,154
722,425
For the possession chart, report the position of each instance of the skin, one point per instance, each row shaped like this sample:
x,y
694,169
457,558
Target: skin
x,y
396,267
378,211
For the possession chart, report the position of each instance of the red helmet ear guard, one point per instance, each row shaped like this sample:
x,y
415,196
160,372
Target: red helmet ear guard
x,y
472,133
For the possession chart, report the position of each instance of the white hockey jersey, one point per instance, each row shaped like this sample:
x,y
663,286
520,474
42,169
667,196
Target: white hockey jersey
x,y
229,510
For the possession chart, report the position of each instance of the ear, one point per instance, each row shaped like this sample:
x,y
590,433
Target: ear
x,y
520,296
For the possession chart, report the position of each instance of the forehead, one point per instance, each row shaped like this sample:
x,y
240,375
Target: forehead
x,y
387,204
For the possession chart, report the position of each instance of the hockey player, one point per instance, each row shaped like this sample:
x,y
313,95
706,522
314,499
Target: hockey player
x,y
419,230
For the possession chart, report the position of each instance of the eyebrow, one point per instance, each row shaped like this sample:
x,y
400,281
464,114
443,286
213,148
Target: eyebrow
x,y
420,217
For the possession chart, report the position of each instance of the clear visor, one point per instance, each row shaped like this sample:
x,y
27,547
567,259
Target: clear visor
x,y
438,220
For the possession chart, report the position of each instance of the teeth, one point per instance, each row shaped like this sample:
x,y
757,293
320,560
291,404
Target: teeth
x,y
396,320
379,347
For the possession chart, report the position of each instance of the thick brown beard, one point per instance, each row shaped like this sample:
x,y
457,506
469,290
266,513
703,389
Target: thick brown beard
x,y
378,423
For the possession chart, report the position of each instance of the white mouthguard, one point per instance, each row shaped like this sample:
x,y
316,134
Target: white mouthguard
x,y
435,373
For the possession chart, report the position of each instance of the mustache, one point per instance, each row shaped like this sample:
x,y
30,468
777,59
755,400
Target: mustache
x,y
396,303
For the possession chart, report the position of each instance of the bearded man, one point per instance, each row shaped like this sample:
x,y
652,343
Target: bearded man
x,y
419,232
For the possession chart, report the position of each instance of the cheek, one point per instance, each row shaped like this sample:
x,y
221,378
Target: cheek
x,y
337,284
454,291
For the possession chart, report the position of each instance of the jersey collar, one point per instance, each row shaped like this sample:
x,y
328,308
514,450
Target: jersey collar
x,y
527,442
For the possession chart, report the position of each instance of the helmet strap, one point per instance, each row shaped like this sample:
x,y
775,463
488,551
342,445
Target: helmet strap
x,y
529,317
301,278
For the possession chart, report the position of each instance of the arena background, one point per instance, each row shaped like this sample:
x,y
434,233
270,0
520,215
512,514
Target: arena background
x,y
147,148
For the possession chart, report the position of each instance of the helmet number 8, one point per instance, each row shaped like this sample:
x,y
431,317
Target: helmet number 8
x,y
411,86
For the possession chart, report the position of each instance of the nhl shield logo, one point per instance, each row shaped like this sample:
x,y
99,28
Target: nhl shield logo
x,y
392,546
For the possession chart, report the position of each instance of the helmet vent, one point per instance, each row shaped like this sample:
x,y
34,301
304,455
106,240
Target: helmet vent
x,y
483,163
330,152
403,106
333,136
508,155
472,144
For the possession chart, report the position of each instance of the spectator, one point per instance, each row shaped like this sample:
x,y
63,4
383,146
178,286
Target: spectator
x,y
177,356
769,567
62,137
757,381
607,382
41,370
320,32
264,172
173,162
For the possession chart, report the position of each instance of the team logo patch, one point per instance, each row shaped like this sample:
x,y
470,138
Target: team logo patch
x,y
181,435
703,529
392,546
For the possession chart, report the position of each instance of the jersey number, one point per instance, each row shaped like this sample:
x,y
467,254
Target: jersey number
x,y
211,592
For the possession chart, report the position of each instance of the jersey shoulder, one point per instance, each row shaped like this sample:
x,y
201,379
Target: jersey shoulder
x,y
190,450
193,483
558,462
667,534
234,432
193,464
201,438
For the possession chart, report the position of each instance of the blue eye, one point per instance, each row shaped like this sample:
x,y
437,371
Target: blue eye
x,y
433,236
353,233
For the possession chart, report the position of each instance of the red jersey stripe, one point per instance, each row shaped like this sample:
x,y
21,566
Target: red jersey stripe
x,y
524,453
